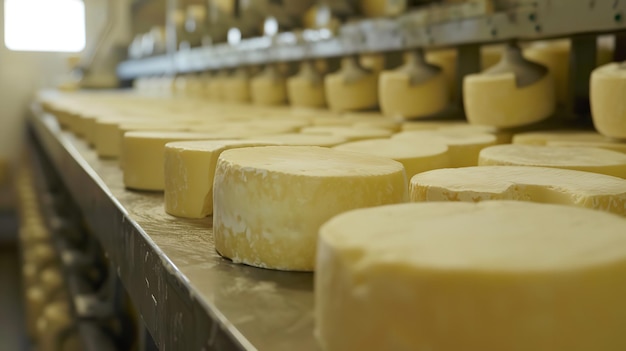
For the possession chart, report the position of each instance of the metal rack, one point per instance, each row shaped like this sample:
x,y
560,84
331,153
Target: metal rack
x,y
188,297
528,20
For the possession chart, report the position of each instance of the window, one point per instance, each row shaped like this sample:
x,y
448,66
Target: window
x,y
44,25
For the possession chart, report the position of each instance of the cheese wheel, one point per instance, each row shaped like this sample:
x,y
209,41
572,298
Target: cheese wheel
x,y
446,60
306,89
555,55
612,145
608,86
491,276
537,184
586,159
399,97
351,88
350,133
495,100
430,125
237,88
144,157
295,139
463,147
382,8
189,170
269,88
416,157
543,137
269,202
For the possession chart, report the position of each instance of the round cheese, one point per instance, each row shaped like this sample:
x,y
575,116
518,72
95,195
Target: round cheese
x,y
269,202
536,184
608,86
586,159
351,88
189,169
491,276
144,157
269,88
463,146
295,139
416,157
495,100
543,137
399,97
350,133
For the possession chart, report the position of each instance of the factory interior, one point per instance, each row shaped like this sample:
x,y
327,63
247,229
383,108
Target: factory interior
x,y
313,175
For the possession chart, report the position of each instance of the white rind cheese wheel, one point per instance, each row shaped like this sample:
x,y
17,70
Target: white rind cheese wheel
x,y
463,147
189,170
608,106
416,157
495,100
536,184
586,159
269,202
144,154
491,276
398,97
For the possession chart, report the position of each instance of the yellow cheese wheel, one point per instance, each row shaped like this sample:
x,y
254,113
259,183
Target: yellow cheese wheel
x,y
490,276
537,184
269,202
586,159
189,170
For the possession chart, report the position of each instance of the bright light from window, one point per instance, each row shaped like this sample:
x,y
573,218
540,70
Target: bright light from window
x,y
44,25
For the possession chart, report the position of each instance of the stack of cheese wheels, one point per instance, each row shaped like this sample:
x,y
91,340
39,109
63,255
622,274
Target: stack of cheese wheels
x,y
352,87
491,276
586,159
306,89
269,202
463,147
189,170
415,156
608,85
536,184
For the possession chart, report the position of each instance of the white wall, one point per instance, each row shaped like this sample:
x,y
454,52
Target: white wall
x,y
23,73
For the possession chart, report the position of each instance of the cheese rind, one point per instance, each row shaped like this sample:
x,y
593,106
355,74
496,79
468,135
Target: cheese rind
x,y
536,184
189,169
411,276
269,202
586,159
